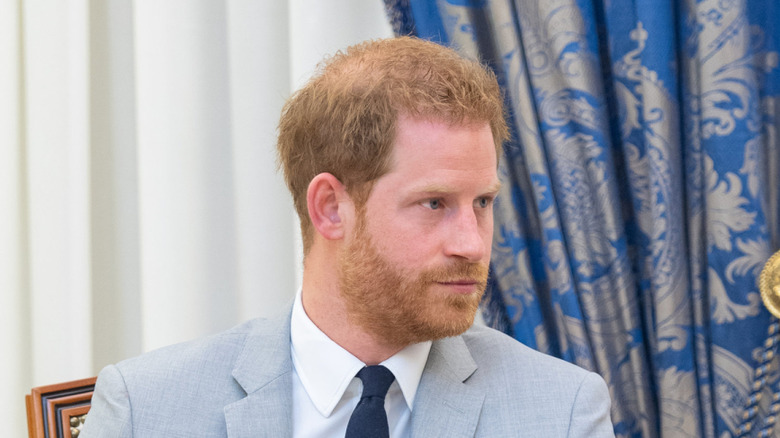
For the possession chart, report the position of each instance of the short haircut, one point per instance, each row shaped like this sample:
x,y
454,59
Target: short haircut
x,y
343,121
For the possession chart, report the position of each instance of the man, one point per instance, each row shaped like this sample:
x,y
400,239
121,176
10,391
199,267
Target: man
x,y
390,153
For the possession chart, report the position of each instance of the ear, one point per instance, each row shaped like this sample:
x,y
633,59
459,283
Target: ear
x,y
323,199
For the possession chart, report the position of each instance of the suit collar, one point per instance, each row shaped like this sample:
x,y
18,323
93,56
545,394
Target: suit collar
x,y
445,405
263,370
325,368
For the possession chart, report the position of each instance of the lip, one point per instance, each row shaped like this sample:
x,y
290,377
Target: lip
x,y
460,286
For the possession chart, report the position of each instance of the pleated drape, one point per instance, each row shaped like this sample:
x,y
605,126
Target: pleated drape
x,y
640,196
139,199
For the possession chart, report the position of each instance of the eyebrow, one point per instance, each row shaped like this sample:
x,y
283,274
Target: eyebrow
x,y
440,188
495,188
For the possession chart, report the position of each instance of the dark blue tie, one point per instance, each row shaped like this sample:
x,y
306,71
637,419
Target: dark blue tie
x,y
369,418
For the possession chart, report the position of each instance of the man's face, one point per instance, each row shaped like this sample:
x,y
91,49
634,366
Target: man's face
x,y
415,266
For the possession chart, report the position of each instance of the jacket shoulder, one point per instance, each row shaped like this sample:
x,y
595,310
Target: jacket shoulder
x,y
211,352
490,348
178,389
528,390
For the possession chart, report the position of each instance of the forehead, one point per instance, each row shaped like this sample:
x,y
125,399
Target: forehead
x,y
436,151
441,139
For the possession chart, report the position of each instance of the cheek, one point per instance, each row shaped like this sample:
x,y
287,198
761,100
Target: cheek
x,y
398,236
488,238
407,249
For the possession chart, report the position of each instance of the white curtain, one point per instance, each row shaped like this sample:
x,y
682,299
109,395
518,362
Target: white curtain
x,y
139,199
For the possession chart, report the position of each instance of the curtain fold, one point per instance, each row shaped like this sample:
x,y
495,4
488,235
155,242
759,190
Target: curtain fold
x,y
139,199
640,196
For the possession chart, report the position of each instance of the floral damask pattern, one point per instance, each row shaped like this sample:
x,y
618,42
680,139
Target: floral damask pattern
x,y
641,195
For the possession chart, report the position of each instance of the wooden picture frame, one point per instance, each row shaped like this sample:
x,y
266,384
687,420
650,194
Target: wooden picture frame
x,y
58,411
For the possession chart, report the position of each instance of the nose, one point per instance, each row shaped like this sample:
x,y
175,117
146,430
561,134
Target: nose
x,y
469,239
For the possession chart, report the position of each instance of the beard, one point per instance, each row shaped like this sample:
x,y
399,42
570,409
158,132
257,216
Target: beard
x,y
400,308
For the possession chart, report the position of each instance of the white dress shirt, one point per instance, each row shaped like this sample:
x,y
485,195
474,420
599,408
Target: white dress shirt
x,y
326,390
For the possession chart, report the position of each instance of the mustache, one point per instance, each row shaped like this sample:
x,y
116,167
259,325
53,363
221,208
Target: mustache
x,y
460,271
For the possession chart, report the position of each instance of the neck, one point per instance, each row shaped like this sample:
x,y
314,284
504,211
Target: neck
x,y
324,305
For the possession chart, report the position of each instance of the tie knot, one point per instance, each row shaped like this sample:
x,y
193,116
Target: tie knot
x,y
376,380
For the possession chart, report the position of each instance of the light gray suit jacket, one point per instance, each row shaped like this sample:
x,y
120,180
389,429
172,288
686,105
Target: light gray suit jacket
x,y
238,384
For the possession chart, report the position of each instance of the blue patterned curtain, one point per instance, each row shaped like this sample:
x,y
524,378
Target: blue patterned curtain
x,y
640,196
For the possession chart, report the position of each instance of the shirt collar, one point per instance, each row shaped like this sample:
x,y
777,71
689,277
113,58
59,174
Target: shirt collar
x,y
326,369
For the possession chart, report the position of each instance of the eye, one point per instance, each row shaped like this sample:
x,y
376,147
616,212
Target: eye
x,y
483,202
433,204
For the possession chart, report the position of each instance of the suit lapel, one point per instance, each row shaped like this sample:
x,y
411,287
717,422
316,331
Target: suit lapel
x,y
264,371
445,405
